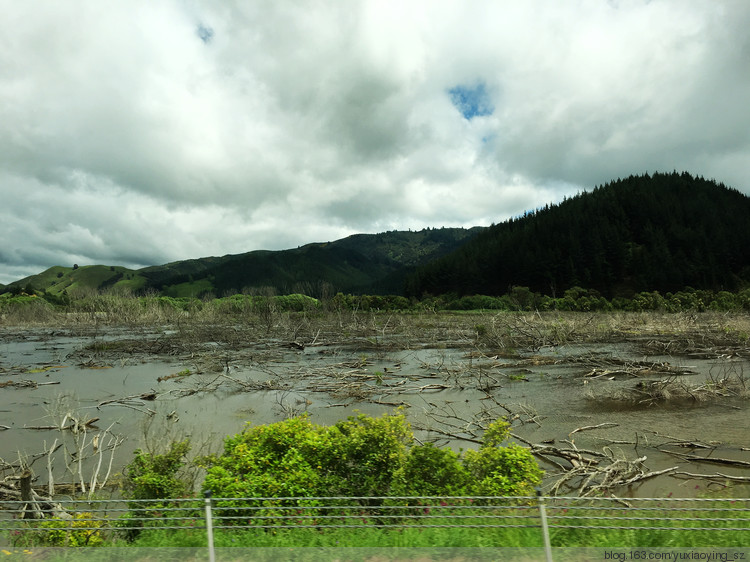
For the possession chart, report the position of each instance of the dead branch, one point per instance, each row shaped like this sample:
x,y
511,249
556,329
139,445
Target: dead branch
x,y
590,427
711,460
135,402
714,476
25,384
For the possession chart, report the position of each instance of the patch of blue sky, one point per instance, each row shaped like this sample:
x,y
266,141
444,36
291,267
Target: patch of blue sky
x,y
205,33
472,101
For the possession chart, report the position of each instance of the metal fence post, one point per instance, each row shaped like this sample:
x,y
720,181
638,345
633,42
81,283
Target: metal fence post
x,y
209,527
545,527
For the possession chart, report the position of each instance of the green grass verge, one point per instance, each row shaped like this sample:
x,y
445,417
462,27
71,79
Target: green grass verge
x,y
444,537
649,525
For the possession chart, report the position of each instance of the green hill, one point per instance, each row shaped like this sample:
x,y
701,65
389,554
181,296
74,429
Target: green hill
x,y
663,232
367,263
362,263
58,279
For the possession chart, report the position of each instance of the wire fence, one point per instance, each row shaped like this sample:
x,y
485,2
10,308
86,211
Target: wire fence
x,y
81,522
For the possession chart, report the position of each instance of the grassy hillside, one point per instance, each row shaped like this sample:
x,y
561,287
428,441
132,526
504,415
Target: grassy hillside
x,y
59,279
362,263
372,263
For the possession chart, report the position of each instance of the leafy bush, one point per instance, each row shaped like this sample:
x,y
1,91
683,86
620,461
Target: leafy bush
x,y
25,309
479,302
296,302
81,530
295,457
498,470
361,456
154,476
431,471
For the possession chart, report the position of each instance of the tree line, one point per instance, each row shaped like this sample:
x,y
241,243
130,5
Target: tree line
x,y
519,298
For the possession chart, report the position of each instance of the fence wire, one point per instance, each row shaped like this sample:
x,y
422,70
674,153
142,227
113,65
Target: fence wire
x,y
102,518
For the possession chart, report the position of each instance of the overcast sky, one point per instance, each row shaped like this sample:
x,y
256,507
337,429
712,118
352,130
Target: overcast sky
x,y
141,132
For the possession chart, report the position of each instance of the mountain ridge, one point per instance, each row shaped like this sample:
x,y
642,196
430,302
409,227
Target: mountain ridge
x,y
661,232
375,263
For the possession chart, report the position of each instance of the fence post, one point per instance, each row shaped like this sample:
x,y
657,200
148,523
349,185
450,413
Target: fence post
x,y
209,527
545,527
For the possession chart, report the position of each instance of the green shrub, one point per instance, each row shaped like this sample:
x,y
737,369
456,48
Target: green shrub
x,y
431,471
154,476
498,470
81,530
295,457
361,456
296,302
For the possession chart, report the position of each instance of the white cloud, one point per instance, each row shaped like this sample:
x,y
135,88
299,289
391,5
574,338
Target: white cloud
x,y
140,133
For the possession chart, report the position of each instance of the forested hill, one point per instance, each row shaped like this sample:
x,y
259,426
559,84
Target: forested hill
x,y
663,232
362,263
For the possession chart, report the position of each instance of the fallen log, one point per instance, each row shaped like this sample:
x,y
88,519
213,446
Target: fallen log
x,y
590,427
26,384
647,475
714,476
75,426
712,460
574,457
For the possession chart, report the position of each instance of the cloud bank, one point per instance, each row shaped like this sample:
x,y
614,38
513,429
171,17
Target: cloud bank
x,y
138,133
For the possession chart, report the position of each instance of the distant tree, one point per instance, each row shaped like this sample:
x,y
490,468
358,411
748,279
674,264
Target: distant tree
x,y
75,266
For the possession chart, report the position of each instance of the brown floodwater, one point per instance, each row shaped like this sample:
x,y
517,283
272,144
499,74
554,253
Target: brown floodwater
x,y
145,391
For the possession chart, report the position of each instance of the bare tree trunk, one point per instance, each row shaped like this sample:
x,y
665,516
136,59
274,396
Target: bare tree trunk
x,y
30,509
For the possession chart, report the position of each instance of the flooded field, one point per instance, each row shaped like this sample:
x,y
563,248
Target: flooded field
x,y
631,404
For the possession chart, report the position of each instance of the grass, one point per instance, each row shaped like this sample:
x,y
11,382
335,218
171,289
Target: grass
x,y
443,538
595,526
345,538
687,533
188,289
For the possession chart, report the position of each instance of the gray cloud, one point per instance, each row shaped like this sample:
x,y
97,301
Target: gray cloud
x,y
141,133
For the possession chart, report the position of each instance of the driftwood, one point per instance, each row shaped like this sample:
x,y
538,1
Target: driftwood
x,y
590,427
30,508
594,478
75,425
587,472
615,368
134,401
87,453
680,442
711,460
26,384
33,505
714,476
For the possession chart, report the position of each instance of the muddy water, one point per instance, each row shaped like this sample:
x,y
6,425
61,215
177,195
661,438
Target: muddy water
x,y
142,398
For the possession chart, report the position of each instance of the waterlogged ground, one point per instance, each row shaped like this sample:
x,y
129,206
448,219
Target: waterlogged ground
x,y
674,391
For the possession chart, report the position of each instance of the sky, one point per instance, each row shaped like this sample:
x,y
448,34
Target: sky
x,y
140,132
